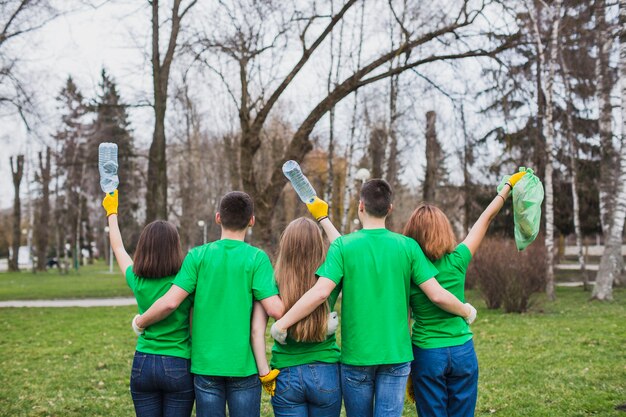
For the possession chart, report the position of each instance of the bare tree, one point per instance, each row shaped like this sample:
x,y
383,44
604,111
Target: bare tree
x,y
610,264
17,171
43,213
156,195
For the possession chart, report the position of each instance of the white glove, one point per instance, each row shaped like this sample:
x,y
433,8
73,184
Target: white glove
x,y
138,330
472,315
333,323
279,335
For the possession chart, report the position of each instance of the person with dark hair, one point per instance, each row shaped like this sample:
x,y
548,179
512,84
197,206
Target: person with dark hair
x,y
225,276
161,383
375,267
444,372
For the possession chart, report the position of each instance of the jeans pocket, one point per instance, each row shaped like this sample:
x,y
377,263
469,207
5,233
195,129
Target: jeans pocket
x,y
206,382
400,369
245,382
282,382
325,377
174,367
138,362
354,375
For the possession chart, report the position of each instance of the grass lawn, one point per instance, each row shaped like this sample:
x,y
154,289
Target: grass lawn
x,y
564,359
89,281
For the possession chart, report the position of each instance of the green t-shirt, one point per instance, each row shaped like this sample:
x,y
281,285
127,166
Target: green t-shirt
x,y
376,267
433,327
170,336
227,276
300,353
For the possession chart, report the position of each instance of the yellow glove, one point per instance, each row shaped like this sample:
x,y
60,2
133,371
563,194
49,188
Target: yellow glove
x,y
409,389
515,178
269,381
318,208
110,203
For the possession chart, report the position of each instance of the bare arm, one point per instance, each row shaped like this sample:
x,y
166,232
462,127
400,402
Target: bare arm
x,y
444,298
318,294
115,238
273,306
257,338
162,307
478,231
329,228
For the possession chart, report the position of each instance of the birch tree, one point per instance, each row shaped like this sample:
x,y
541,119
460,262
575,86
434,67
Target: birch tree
x,y
610,264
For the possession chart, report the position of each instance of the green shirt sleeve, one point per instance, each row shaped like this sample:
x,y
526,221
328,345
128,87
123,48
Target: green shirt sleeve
x,y
461,257
263,284
130,277
187,277
332,268
421,268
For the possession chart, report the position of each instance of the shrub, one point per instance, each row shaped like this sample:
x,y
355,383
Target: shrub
x,y
508,278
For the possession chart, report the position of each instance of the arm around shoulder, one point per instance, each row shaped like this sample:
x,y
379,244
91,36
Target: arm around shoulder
x,y
162,307
444,299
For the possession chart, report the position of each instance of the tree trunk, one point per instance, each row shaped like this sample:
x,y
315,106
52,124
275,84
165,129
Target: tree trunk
x,y
433,153
610,264
43,226
17,171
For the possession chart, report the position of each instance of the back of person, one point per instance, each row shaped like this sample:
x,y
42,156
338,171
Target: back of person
x,y
433,327
226,275
169,336
377,268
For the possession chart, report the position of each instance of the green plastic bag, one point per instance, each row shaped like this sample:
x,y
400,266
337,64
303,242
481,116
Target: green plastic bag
x,y
527,200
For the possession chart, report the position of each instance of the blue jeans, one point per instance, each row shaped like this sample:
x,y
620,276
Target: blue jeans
x,y
374,391
311,390
242,394
161,386
445,380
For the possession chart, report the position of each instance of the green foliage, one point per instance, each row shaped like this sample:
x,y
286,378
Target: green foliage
x,y
564,359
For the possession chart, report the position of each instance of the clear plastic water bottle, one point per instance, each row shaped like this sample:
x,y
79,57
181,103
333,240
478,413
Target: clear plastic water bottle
x,y
300,183
107,165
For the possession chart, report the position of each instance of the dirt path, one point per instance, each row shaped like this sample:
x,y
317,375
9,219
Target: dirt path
x,y
85,302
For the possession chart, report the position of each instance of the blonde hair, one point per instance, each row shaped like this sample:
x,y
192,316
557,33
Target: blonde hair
x,y
300,253
430,227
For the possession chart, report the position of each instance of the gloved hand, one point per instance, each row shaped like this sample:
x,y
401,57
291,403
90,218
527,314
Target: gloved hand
x,y
138,330
410,394
333,323
280,335
318,209
472,314
515,178
269,381
110,203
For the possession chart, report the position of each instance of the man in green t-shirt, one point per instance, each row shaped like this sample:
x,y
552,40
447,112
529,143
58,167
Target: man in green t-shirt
x,y
376,268
226,276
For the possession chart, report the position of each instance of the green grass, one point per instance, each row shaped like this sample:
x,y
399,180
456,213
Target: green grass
x,y
564,359
89,281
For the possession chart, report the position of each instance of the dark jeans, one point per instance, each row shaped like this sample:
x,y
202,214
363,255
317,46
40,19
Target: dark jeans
x,y
311,390
242,394
445,380
161,386
376,390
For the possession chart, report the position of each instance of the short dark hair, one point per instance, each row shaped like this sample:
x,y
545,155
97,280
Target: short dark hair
x,y
376,197
158,253
236,210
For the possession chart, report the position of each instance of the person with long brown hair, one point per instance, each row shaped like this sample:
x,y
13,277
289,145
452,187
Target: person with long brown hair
x,y
444,371
308,384
161,383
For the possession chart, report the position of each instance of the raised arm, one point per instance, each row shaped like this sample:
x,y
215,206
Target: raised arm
x,y
311,299
478,231
319,210
110,204
446,301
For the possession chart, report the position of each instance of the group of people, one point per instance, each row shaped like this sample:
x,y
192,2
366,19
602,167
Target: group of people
x,y
203,316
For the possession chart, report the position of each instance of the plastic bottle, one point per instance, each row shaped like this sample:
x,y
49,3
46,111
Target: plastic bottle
x,y
107,165
300,183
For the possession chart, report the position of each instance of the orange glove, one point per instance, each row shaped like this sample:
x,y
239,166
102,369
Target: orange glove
x,y
110,203
318,208
269,381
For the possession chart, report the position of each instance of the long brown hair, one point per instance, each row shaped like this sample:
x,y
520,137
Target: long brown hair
x,y
158,253
430,227
301,252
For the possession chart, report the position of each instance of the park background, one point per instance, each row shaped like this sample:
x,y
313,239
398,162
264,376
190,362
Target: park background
x,y
439,98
